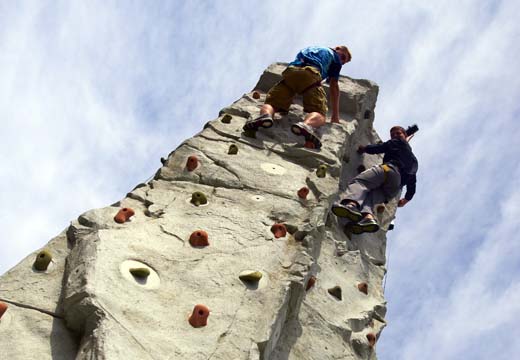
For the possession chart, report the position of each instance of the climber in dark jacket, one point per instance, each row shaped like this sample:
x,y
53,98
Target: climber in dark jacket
x,y
380,183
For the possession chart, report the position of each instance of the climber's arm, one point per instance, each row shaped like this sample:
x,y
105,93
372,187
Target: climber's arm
x,y
410,190
373,148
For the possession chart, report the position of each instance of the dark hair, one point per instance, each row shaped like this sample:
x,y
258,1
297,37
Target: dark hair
x,y
398,127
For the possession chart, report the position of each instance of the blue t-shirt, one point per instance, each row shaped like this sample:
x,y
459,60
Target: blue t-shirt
x,y
325,59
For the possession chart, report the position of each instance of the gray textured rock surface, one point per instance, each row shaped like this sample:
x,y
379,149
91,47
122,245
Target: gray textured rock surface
x,y
88,305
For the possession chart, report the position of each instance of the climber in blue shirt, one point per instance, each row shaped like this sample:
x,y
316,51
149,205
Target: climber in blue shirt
x,y
304,76
380,183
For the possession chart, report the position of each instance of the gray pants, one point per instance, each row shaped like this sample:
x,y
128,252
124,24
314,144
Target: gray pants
x,y
370,188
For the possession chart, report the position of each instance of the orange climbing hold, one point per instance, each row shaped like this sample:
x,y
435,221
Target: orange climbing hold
x,y
123,215
3,308
192,163
309,145
371,339
199,316
199,238
256,95
310,283
380,208
303,192
363,287
279,230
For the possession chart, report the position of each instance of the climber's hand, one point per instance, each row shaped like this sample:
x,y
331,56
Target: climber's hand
x,y
361,149
402,202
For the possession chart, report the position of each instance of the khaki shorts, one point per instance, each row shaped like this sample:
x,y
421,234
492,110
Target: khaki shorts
x,y
295,81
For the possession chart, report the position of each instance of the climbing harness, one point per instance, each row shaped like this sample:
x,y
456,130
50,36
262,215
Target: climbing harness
x,y
386,169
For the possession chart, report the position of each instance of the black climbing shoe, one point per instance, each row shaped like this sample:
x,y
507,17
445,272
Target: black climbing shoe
x,y
265,121
365,226
310,134
349,211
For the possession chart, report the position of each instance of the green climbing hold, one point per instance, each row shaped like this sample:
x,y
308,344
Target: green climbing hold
x,y
233,149
43,259
250,133
250,276
141,272
226,119
198,198
321,171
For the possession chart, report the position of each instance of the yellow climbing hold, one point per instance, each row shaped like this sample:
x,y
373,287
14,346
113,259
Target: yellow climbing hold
x,y
43,259
250,276
321,171
250,133
226,119
233,149
140,272
198,198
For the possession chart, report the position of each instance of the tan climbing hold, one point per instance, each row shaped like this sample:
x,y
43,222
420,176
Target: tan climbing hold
x,y
42,261
303,192
310,283
321,171
226,119
279,230
123,215
371,339
256,95
141,272
3,308
250,276
336,292
363,287
192,163
199,316
198,198
233,149
199,238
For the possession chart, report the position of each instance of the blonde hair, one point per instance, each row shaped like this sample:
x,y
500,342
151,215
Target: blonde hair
x,y
345,50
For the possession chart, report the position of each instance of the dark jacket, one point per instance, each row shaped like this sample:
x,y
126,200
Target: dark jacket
x,y
399,153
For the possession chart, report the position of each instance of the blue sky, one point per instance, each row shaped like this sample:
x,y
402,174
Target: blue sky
x,y
93,94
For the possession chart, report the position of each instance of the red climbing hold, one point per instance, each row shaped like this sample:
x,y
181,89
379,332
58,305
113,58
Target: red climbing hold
x,y
256,95
371,339
363,287
309,145
199,238
310,283
192,163
123,215
303,192
279,230
3,308
199,316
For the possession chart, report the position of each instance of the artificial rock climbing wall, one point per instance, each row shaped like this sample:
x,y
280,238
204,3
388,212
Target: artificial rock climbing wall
x,y
230,252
